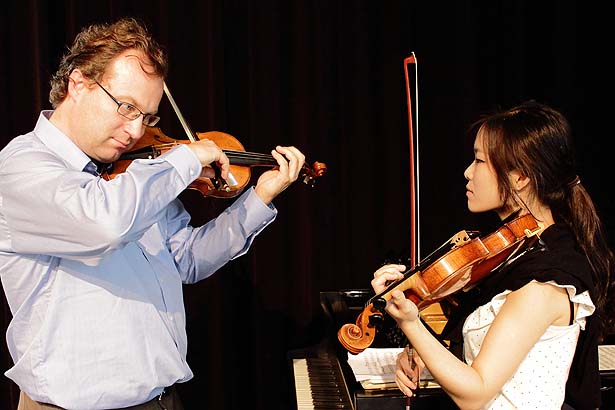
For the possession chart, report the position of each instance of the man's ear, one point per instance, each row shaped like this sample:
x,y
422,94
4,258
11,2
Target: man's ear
x,y
77,83
519,180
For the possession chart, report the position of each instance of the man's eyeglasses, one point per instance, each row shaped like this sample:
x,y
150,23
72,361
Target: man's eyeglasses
x,y
130,111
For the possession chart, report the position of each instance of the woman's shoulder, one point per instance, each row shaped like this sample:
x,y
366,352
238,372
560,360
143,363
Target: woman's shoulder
x,y
555,258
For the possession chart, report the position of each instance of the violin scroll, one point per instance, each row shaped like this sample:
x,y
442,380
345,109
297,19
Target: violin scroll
x,y
309,175
356,337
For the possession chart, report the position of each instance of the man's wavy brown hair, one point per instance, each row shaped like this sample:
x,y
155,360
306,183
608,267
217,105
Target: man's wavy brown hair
x,y
96,45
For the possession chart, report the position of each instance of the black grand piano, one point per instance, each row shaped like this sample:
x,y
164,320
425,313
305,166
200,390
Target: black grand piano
x,y
323,379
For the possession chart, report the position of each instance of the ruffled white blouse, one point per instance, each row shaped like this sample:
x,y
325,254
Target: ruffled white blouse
x,y
540,380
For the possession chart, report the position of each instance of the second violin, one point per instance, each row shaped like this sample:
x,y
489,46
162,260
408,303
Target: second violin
x,y
458,264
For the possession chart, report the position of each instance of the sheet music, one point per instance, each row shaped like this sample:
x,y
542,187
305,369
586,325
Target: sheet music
x,y
375,368
375,364
606,357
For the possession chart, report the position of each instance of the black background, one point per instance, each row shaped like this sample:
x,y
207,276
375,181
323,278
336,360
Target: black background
x,y
328,77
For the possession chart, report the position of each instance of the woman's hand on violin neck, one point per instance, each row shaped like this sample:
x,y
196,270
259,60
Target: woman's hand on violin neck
x,y
271,183
386,274
402,309
398,306
209,153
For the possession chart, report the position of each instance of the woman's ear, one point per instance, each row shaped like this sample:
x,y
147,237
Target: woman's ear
x,y
519,180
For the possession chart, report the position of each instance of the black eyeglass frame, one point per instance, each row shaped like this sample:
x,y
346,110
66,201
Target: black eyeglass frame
x,y
149,120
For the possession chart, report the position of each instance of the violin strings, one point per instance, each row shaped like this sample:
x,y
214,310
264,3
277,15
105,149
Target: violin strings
x,y
238,155
248,155
230,153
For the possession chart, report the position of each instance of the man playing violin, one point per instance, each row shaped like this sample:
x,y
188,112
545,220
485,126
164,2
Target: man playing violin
x,y
526,337
93,268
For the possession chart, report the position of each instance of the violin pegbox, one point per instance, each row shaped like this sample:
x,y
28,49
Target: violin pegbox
x,y
309,175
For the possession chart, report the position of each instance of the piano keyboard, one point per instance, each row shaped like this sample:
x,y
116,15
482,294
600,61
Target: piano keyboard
x,y
319,384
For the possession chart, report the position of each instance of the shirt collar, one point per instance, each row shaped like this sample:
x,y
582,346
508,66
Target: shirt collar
x,y
59,143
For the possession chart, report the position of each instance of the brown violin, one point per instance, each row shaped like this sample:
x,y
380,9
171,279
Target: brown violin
x,y
458,264
154,142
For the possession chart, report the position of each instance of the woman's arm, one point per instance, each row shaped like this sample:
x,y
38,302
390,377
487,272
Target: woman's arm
x,y
523,319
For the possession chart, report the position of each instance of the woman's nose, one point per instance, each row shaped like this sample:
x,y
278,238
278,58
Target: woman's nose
x,y
468,172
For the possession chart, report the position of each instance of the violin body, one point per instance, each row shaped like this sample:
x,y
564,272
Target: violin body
x,y
154,143
469,259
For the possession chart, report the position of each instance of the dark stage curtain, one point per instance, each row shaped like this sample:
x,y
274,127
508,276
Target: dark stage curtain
x,y
327,77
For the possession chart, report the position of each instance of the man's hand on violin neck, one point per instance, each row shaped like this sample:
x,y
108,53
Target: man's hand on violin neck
x,y
272,183
209,153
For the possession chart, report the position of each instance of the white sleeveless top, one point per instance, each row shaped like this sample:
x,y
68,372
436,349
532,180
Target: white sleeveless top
x,y
540,380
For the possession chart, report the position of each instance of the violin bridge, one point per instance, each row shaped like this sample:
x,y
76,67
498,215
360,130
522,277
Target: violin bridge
x,y
460,239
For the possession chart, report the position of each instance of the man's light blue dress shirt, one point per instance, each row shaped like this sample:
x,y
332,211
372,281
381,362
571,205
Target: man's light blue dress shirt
x,y
93,269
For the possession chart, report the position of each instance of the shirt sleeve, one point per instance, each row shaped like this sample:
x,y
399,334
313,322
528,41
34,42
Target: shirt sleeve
x,y
49,208
201,251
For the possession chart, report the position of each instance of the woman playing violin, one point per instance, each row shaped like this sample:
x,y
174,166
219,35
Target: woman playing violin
x,y
93,268
528,333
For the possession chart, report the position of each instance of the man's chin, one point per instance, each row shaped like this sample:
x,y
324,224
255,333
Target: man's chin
x,y
107,159
112,156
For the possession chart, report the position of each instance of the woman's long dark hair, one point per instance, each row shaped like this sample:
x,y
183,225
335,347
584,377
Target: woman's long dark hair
x,y
537,141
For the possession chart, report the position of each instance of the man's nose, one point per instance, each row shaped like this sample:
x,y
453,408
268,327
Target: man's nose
x,y
135,127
